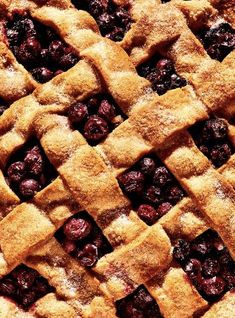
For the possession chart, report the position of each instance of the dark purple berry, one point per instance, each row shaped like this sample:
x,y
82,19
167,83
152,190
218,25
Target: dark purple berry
x,y
218,40
16,171
174,194
229,276
67,61
92,103
88,256
225,258
29,51
77,229
139,304
24,285
181,251
122,17
45,56
97,7
12,36
28,188
106,22
213,287
42,74
69,246
193,267
147,213
25,278
177,81
106,110
166,65
214,129
95,129
56,50
210,267
220,154
161,73
162,177
78,113
164,208
147,166
205,150
201,247
153,195
34,161
132,182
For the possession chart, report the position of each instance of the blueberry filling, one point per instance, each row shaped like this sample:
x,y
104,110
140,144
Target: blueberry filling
x,y
96,117
139,304
29,170
113,21
38,47
25,286
207,263
218,40
83,239
162,74
151,187
211,137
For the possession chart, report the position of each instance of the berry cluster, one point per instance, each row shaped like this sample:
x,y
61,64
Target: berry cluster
x,y
211,137
24,285
139,304
96,117
113,21
151,187
38,47
162,74
218,40
29,170
83,239
207,263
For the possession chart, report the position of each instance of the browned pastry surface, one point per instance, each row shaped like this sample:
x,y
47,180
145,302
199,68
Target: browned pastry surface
x,y
88,172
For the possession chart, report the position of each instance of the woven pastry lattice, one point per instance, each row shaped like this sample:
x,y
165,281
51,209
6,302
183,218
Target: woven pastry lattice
x,y
88,174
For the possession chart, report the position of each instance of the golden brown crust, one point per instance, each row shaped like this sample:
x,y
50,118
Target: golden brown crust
x,y
142,254
176,296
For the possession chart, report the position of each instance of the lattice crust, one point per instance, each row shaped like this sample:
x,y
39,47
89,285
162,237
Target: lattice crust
x,y
87,175
225,8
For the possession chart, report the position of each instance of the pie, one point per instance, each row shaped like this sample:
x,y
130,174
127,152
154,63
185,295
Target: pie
x,y
117,157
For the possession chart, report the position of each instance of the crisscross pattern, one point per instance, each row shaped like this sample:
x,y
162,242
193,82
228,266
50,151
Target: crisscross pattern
x,y
87,176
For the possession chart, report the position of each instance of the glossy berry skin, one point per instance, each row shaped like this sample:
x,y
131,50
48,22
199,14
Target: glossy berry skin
x,y
95,117
96,128
113,21
82,239
162,74
78,113
219,40
24,286
147,213
77,229
151,187
207,263
139,304
38,47
29,170
211,137
132,182
28,188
